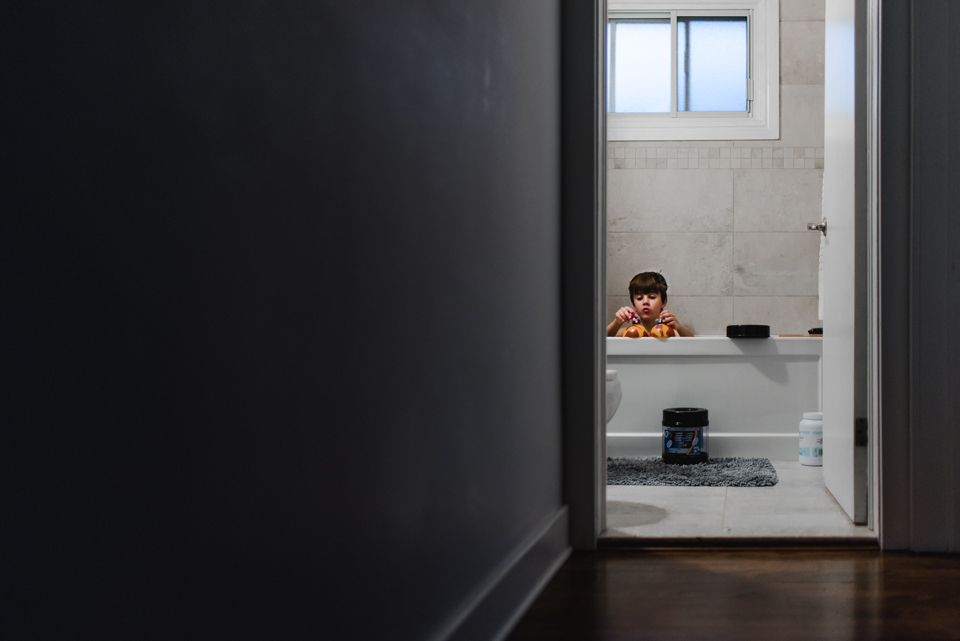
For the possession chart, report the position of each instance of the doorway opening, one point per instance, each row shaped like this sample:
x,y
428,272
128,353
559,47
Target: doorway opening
x,y
725,221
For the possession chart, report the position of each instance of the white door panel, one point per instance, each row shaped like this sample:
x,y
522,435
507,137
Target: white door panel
x,y
839,277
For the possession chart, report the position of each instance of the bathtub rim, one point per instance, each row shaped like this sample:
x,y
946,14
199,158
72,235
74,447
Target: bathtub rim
x,y
811,346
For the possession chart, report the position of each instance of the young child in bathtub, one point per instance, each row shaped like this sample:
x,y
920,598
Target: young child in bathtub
x,y
648,293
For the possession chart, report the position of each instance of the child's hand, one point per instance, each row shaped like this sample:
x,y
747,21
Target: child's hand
x,y
626,314
667,318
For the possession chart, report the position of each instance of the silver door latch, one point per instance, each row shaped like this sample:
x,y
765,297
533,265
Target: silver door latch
x,y
820,227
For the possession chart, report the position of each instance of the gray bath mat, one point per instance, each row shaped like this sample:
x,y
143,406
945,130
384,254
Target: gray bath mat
x,y
716,472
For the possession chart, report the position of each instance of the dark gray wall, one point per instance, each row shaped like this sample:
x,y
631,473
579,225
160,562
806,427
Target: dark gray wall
x,y
282,293
920,249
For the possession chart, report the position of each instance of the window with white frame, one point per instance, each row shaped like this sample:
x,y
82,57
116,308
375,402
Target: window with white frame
x,y
694,70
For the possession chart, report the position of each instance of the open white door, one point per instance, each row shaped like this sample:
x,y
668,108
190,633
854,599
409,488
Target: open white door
x,y
844,463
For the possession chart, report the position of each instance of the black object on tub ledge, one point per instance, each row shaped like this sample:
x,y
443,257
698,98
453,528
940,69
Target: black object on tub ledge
x,y
748,331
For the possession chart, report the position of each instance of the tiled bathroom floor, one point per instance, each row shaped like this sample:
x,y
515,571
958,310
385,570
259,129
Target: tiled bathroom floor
x,y
798,506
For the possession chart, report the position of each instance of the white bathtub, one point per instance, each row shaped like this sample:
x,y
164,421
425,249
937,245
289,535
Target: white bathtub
x,y
756,391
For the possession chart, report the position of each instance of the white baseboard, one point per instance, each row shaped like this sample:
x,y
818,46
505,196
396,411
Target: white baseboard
x,y
497,605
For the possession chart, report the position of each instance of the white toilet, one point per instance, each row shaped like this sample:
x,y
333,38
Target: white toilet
x,y
614,393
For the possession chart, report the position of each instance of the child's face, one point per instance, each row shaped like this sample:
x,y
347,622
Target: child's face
x,y
648,306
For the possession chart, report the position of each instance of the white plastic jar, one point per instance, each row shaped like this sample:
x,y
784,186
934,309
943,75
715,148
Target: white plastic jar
x,y
811,439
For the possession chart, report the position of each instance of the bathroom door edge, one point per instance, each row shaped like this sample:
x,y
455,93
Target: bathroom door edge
x,y
583,266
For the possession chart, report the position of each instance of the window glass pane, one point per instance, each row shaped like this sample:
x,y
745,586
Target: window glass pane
x,y
642,74
712,66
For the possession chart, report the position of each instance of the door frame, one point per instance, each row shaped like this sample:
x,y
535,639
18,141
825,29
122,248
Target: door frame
x,y
585,232
871,28
920,505
583,242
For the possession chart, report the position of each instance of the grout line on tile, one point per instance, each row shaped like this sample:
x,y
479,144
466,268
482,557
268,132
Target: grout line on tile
x,y
733,272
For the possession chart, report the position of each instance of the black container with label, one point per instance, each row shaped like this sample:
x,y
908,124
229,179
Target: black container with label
x,y
685,435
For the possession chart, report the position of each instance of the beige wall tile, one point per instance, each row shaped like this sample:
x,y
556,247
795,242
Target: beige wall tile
x,y
801,53
802,10
665,200
801,121
703,315
776,264
775,200
616,302
784,314
694,264
681,222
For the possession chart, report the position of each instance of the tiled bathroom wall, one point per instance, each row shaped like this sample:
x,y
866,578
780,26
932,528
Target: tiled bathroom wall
x,y
725,221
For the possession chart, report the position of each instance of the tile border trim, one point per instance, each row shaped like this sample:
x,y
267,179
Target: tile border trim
x,y
714,158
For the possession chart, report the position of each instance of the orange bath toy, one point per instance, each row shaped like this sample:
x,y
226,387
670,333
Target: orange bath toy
x,y
660,331
636,331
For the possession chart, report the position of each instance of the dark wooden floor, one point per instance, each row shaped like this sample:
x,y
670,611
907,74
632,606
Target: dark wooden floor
x,y
748,594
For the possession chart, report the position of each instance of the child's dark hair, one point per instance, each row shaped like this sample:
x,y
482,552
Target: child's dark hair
x,y
648,283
